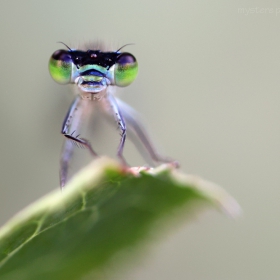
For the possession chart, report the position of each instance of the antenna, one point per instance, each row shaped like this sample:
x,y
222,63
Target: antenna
x,y
65,46
123,46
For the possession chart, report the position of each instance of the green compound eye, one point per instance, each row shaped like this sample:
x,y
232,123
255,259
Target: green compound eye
x,y
126,69
60,66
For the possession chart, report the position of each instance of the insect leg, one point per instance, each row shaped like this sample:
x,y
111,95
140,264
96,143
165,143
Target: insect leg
x,y
134,123
113,108
70,125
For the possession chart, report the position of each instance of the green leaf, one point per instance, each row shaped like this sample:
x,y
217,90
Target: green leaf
x,y
104,210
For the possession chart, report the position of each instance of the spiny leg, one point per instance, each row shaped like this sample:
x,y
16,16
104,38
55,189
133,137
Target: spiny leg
x,y
70,125
133,122
112,107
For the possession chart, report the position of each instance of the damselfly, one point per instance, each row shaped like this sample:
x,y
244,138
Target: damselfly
x,y
96,73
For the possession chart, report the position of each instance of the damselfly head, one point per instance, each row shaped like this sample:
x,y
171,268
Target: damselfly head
x,y
93,70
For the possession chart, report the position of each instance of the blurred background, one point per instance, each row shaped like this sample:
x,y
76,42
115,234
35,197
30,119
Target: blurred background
x,y
209,90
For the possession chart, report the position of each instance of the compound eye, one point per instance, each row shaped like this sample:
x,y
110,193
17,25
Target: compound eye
x,y
126,69
60,66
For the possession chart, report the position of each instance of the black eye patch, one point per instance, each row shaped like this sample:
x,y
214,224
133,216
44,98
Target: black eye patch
x,y
94,57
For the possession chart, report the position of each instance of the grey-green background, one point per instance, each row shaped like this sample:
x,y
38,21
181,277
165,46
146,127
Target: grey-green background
x,y
209,89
